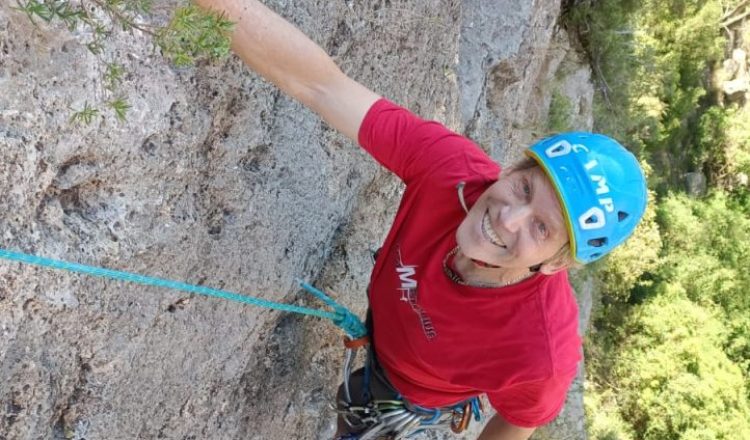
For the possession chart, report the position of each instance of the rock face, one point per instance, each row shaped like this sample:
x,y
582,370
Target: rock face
x,y
695,184
736,80
217,179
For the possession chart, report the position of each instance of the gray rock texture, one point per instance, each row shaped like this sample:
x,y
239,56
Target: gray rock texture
x,y
218,179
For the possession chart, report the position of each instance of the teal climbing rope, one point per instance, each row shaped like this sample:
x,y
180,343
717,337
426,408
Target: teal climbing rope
x,y
341,316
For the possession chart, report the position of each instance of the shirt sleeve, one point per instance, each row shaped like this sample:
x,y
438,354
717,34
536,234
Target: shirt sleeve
x,y
408,145
532,404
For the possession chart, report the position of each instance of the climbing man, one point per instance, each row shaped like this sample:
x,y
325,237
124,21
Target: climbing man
x,y
469,295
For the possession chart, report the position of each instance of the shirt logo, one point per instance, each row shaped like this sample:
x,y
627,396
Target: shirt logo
x,y
408,283
406,274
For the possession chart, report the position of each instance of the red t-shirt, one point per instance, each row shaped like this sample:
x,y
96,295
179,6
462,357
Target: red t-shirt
x,y
439,342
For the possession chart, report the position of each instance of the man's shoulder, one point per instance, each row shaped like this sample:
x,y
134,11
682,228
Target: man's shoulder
x,y
434,149
562,317
555,290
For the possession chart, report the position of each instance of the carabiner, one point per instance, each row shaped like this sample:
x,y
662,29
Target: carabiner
x,y
463,422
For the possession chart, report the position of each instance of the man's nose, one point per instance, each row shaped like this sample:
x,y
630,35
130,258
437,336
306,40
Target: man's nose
x,y
513,217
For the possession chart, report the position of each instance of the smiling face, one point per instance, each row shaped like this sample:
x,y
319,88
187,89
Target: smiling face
x,y
516,223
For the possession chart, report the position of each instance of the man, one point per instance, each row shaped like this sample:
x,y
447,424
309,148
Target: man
x,y
469,294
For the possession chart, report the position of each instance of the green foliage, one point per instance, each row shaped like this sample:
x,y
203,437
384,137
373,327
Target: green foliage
x,y
680,357
650,59
604,29
683,40
669,355
113,75
625,267
605,421
85,115
120,106
726,140
711,140
192,34
676,381
559,115
48,10
707,248
707,256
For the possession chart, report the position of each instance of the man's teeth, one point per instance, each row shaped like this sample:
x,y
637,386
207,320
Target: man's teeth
x,y
489,232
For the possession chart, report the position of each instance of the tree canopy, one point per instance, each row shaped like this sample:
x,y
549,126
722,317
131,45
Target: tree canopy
x,y
668,356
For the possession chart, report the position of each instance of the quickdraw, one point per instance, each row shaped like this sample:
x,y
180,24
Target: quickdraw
x,y
396,419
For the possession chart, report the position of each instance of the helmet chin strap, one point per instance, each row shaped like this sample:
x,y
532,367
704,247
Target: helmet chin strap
x,y
484,264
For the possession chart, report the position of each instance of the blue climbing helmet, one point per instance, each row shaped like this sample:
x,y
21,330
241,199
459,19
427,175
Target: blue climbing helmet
x,y
600,185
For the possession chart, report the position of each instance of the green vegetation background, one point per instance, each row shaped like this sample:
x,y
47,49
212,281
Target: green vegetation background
x,y
668,354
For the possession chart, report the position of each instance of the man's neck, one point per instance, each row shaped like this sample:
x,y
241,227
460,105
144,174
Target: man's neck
x,y
478,274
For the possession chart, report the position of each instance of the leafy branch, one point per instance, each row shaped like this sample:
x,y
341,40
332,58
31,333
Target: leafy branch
x,y
85,115
191,34
120,106
194,34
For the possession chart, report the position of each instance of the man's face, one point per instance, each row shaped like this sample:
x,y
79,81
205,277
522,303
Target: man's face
x,y
516,223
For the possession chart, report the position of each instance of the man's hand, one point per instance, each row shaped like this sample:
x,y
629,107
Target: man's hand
x,y
283,55
499,429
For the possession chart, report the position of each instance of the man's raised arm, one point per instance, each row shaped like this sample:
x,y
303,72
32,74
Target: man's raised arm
x,y
283,55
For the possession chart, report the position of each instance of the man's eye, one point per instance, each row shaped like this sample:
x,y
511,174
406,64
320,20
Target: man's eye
x,y
542,230
526,188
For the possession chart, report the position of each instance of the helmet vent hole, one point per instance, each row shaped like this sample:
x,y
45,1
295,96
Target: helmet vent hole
x,y
622,216
592,220
558,149
595,256
598,242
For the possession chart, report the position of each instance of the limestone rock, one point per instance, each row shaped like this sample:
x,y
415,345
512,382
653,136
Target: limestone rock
x,y
736,86
695,184
742,179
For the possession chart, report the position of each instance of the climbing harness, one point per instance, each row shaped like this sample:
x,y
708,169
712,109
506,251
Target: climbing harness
x,y
395,418
341,316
